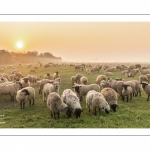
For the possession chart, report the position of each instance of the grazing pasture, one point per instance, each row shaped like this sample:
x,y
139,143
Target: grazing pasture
x,y
132,114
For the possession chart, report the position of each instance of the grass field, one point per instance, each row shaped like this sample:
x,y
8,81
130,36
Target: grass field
x,y
134,114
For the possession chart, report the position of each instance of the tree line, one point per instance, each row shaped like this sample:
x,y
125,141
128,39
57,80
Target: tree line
x,y
7,57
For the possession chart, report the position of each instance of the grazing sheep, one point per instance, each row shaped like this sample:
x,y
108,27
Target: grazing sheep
x,y
104,84
32,71
96,68
143,78
56,105
56,75
82,90
132,84
73,80
71,99
48,76
127,92
137,87
133,72
49,88
146,89
83,80
144,71
96,100
100,78
108,73
10,88
25,94
78,76
111,69
111,97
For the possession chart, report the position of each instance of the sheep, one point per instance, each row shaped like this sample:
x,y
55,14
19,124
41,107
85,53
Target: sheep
x,y
48,76
100,78
126,92
83,80
10,88
56,105
108,73
49,88
111,69
25,94
104,84
132,84
96,100
70,98
143,78
111,97
132,73
146,89
32,71
88,70
73,80
137,87
144,71
56,75
78,76
42,83
25,82
148,77
82,90
96,68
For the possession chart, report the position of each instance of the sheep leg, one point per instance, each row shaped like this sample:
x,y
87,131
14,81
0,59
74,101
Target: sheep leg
x,y
33,101
89,108
95,111
29,101
123,97
12,98
20,105
99,110
139,92
58,114
127,98
148,98
54,115
51,114
81,98
131,97
23,105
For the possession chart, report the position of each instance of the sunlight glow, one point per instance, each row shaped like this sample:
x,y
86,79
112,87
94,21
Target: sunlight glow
x,y
19,44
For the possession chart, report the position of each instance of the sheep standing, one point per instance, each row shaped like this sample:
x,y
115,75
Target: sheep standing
x,y
48,76
83,80
73,80
82,90
96,100
71,99
25,82
10,88
56,75
56,105
78,76
100,78
127,92
88,70
32,71
111,97
143,78
25,94
146,89
49,88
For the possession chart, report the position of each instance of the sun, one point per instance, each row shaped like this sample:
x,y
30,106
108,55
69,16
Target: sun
x,y
19,44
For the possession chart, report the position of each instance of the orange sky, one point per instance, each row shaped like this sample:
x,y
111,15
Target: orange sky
x,y
81,41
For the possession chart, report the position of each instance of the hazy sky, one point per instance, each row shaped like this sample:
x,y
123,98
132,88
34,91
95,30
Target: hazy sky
x,y
81,41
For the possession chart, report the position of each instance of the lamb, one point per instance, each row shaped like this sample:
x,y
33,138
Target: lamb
x,y
83,80
25,94
146,89
10,88
49,88
71,99
111,97
100,78
96,100
127,92
82,90
56,105
56,75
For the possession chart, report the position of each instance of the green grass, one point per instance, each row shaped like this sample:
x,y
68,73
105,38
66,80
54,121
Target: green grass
x,y
134,114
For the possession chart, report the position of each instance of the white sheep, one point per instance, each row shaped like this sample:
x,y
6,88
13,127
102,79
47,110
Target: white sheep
x,y
82,89
127,92
56,105
25,82
83,80
100,78
25,94
10,88
56,75
96,100
49,88
71,99
73,80
111,97
88,70
48,76
146,89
